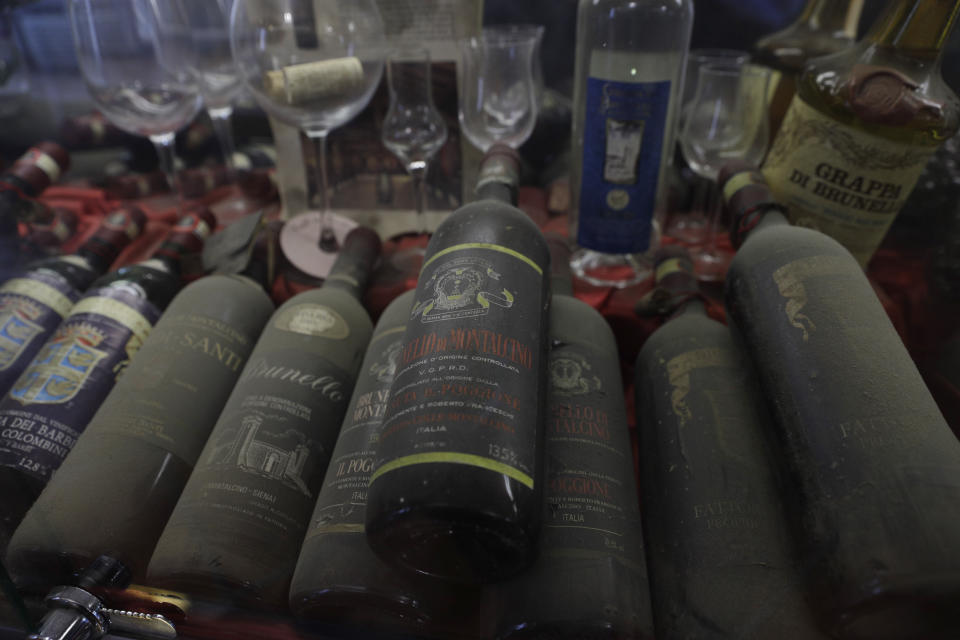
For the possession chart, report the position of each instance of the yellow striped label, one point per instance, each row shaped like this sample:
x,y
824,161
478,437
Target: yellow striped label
x,y
39,292
738,182
116,311
454,458
488,247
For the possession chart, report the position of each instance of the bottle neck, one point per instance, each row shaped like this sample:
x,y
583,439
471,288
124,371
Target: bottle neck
x,y
918,28
833,16
499,175
561,277
351,272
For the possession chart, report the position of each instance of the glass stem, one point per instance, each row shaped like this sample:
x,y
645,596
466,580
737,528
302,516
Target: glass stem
x,y
713,209
164,143
224,130
328,238
419,174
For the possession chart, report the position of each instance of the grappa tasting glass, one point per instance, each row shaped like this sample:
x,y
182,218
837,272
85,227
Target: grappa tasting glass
x,y
692,226
136,58
217,75
498,94
313,64
726,121
413,129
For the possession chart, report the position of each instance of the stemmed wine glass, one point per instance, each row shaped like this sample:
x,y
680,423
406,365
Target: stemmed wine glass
x,y
136,58
693,225
498,95
313,64
217,75
413,129
726,121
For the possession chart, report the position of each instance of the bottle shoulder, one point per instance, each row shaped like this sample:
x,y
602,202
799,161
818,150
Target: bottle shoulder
x,y
884,92
681,334
489,222
789,49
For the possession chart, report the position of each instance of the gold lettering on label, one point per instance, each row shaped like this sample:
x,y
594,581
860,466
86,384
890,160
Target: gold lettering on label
x,y
790,282
678,374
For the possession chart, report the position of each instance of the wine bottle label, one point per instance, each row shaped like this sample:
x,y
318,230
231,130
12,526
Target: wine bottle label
x,y
53,400
264,462
468,373
313,320
622,146
342,505
191,355
31,306
591,500
839,180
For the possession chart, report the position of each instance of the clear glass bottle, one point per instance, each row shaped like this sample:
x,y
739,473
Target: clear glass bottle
x,y
628,76
824,27
863,125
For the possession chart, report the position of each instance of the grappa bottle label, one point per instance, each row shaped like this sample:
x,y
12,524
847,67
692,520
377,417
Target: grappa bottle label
x,y
623,134
468,372
61,389
844,182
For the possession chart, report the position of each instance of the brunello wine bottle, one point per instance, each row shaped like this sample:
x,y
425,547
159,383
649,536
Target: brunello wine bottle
x,y
871,468
590,578
457,487
339,582
34,303
863,125
823,27
236,530
721,559
114,494
53,399
37,169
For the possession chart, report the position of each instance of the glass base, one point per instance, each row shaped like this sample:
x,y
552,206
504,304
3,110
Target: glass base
x,y
611,269
300,242
711,265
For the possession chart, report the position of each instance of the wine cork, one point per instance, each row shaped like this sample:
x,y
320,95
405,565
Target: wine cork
x,y
301,83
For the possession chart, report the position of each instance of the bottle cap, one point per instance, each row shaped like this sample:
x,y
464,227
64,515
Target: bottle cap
x,y
41,166
675,282
117,230
747,197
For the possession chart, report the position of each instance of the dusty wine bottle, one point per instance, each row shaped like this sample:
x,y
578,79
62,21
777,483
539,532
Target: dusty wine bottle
x,y
339,582
148,432
871,466
37,169
53,399
722,563
35,302
236,530
457,486
590,579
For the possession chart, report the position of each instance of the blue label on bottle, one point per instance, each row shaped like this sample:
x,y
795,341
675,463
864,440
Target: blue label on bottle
x,y
59,392
622,146
31,307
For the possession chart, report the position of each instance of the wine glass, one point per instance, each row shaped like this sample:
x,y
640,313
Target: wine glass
x,y
136,58
217,75
313,64
726,121
692,226
498,94
413,129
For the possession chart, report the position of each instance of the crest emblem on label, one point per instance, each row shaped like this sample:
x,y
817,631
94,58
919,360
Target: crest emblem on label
x,y
313,320
385,368
62,367
572,375
276,458
17,329
463,288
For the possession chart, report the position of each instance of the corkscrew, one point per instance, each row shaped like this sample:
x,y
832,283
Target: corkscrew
x,y
75,613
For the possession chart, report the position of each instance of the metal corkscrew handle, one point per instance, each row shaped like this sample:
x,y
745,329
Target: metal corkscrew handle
x,y
76,614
